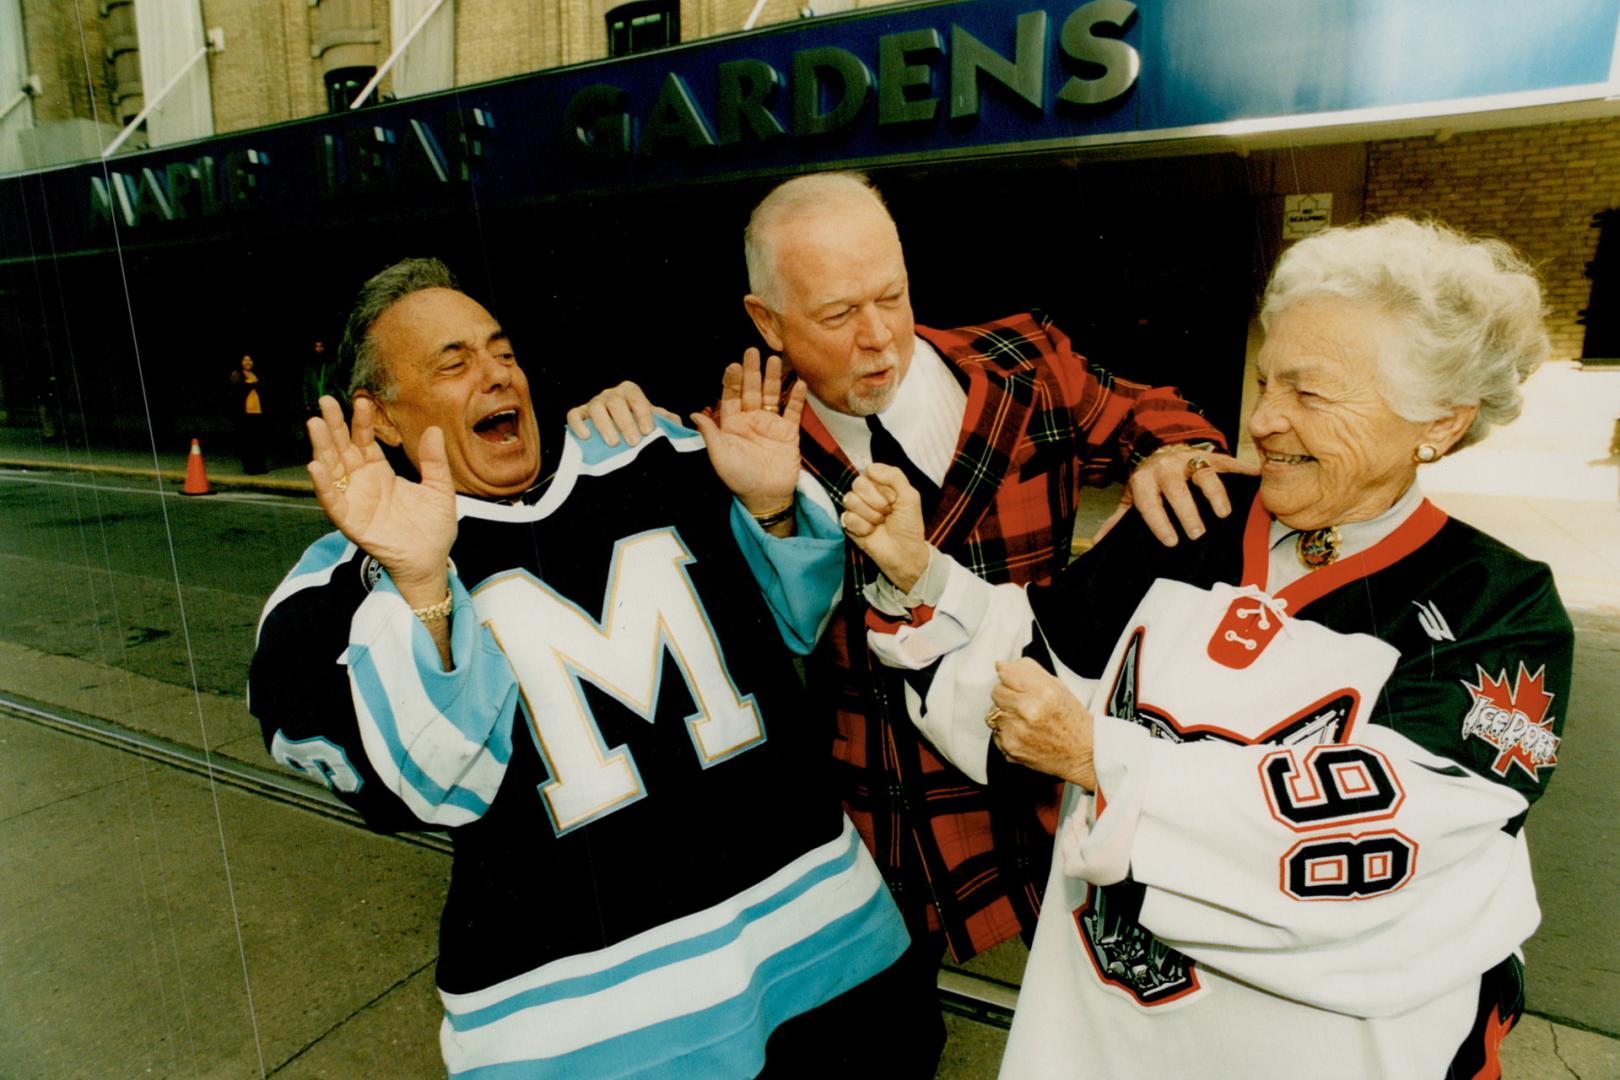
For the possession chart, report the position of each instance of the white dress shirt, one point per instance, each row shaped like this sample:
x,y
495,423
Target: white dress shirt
x,y
924,416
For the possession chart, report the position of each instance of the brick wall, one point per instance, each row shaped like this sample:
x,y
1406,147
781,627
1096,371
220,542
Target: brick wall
x,y
250,82
1535,187
266,74
711,17
497,38
306,93
56,53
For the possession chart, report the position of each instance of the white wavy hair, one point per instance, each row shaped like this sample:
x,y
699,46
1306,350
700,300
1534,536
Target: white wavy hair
x,y
1469,310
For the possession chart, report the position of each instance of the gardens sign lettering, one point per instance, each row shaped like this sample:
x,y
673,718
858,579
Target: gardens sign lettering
x,y
941,80
921,77
926,81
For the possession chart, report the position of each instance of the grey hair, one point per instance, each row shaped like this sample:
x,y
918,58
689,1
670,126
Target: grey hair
x,y
786,201
1470,312
357,353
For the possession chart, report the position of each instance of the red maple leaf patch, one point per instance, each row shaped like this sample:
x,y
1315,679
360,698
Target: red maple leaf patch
x,y
1514,720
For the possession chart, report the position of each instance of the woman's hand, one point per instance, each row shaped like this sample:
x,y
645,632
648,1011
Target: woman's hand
x,y
1038,723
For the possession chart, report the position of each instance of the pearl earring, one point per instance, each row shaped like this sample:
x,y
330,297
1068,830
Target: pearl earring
x,y
1425,454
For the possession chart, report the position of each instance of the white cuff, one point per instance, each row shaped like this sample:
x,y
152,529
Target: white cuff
x,y
1097,846
886,597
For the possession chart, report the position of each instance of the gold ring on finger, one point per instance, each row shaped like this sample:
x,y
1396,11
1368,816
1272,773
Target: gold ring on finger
x,y
770,407
993,719
1196,464
341,484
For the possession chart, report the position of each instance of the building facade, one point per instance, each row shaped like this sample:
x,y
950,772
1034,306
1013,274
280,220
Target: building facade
x,y
273,61
205,163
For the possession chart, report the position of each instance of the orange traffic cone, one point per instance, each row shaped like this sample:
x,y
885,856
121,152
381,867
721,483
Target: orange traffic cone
x,y
196,473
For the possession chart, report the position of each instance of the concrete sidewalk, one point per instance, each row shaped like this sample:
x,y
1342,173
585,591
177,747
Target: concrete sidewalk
x,y
245,937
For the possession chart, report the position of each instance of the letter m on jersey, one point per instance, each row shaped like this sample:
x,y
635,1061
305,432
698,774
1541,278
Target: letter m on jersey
x,y
649,609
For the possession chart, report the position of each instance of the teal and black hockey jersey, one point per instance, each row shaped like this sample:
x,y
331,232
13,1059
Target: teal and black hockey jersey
x,y
652,870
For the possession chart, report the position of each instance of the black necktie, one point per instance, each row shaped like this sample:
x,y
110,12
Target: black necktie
x,y
887,449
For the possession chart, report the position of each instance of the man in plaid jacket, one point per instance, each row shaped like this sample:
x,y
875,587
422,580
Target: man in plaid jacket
x,y
1003,422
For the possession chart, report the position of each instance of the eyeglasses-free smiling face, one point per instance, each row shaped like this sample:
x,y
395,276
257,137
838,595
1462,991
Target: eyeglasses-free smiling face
x,y
845,326
1332,451
454,368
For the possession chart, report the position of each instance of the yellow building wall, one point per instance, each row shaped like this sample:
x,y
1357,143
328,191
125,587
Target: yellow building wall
x,y
60,35
267,73
1535,187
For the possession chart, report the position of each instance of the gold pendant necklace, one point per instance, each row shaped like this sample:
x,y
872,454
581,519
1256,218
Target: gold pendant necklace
x,y
1317,548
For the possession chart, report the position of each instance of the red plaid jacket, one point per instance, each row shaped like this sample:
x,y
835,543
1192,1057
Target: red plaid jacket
x,y
970,860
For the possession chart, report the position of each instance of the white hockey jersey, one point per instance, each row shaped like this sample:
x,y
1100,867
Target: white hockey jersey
x,y
1304,858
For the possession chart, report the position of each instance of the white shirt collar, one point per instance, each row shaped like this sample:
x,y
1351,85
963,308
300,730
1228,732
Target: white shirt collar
x,y
1284,568
924,416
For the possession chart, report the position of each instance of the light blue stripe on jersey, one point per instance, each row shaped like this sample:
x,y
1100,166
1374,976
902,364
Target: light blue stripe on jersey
x,y
593,451
369,684
322,555
839,957
481,683
668,954
314,568
800,575
477,700
682,436
726,1039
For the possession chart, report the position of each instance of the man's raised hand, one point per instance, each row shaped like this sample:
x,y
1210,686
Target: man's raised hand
x,y
754,443
408,527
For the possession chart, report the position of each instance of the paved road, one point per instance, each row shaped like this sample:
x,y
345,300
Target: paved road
x,y
132,575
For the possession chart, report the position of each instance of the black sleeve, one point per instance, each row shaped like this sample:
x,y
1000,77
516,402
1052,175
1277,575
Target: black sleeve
x,y
300,693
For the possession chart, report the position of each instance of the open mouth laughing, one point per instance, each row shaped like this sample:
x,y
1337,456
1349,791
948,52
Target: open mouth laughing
x,y
500,427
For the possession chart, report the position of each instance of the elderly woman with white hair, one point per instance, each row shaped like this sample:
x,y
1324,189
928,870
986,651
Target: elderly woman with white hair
x,y
1300,749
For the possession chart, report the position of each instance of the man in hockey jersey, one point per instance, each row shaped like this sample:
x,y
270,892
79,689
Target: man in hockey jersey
x,y
1300,750
583,683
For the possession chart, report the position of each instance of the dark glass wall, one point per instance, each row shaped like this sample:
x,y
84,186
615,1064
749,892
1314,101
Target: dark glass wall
x,y
243,925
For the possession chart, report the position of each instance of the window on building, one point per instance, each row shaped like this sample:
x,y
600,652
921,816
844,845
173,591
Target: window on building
x,y
343,85
642,25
